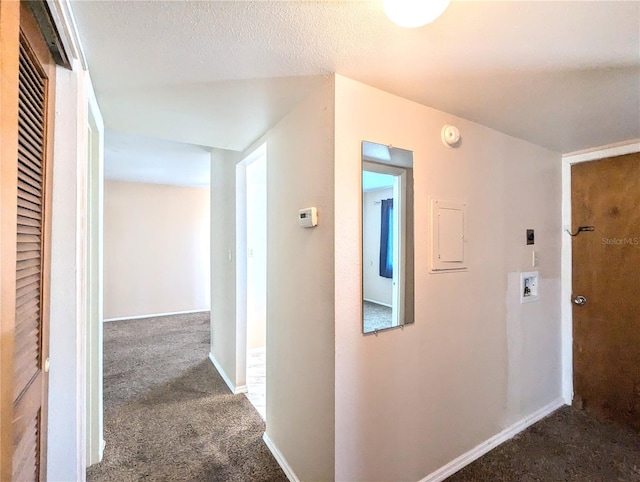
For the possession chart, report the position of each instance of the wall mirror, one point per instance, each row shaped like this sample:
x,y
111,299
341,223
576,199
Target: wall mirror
x,y
387,237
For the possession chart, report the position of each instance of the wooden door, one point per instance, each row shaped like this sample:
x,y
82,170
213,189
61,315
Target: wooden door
x,y
606,271
26,181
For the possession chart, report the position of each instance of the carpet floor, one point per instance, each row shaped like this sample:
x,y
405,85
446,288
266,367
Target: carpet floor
x,y
168,415
376,317
569,445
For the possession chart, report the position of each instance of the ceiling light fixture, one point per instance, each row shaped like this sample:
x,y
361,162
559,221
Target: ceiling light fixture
x,y
414,13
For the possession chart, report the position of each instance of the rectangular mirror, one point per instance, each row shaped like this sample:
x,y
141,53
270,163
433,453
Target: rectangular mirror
x,y
387,237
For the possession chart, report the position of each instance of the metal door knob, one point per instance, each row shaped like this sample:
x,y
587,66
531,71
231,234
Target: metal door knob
x,y
580,300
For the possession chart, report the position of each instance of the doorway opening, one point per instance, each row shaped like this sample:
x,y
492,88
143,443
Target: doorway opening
x,y
252,276
148,217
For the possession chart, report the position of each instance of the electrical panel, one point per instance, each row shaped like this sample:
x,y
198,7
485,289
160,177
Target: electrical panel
x,y
448,236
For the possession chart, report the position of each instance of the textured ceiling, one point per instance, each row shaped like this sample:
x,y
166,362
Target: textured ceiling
x,y
133,158
564,75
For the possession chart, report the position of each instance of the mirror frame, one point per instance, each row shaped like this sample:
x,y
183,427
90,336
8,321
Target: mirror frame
x,y
401,168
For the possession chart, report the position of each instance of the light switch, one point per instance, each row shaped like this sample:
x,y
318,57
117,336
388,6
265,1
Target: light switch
x,y
531,237
534,258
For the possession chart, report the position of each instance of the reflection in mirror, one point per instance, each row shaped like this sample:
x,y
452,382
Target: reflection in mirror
x,y
387,237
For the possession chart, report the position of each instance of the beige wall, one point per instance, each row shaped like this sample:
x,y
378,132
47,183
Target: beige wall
x,y
300,293
156,249
228,339
476,360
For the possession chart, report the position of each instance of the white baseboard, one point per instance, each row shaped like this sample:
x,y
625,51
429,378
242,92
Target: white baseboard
x,y
475,453
378,302
235,390
101,450
140,317
282,462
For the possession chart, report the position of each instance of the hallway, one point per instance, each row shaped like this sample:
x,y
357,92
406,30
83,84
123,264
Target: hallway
x,y
168,414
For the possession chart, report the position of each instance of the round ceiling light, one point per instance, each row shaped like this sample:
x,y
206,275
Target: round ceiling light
x,y
414,13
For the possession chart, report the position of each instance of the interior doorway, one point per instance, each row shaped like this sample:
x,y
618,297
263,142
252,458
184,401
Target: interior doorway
x,y
605,195
253,229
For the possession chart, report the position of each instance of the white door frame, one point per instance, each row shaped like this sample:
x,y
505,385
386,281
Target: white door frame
x,y
566,306
241,266
94,280
399,225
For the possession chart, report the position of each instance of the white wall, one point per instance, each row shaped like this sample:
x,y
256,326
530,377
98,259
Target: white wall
x,y
156,249
409,401
376,288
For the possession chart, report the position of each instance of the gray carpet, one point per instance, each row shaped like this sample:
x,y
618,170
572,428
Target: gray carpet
x,y
169,416
376,317
567,446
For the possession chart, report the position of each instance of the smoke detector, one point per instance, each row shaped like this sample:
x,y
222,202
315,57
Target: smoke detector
x,y
450,135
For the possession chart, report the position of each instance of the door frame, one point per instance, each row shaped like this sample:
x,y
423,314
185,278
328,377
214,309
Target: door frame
x,y
241,266
566,306
94,282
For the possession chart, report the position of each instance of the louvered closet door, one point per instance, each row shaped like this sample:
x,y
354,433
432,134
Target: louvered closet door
x,y
31,337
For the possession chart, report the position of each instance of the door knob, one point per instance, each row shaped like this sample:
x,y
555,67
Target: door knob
x,y
580,300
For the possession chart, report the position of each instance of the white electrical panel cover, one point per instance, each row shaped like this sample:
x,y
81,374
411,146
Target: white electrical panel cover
x,y
448,236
